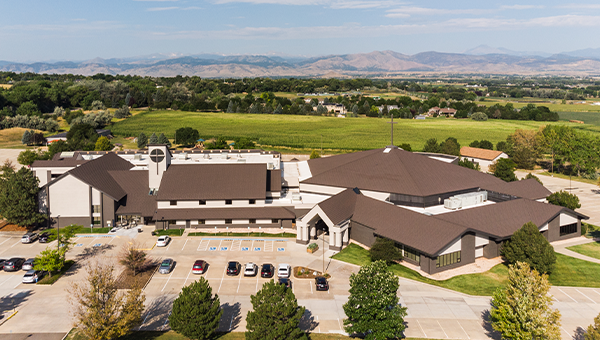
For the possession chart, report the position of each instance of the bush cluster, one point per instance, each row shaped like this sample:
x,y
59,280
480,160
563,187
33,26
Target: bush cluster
x,y
29,122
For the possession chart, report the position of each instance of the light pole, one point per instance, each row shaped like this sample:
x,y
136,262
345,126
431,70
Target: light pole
x,y
91,228
57,232
323,272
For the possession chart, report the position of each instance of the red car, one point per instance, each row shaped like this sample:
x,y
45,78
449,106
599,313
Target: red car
x,y
199,267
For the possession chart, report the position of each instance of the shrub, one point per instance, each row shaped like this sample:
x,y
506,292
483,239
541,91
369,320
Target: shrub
x,y
564,199
468,164
98,105
122,112
384,249
314,154
186,136
479,116
530,246
505,170
313,246
502,146
405,147
530,175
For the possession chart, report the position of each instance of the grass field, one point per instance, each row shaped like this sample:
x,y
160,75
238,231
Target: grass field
x,y
302,133
572,178
559,107
592,118
588,249
568,272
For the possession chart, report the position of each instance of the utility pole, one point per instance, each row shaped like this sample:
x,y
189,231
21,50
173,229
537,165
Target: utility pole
x,y
58,232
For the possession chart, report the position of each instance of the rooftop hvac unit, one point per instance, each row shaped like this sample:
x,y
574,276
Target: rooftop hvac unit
x,y
296,197
452,203
270,166
465,200
137,157
183,156
224,156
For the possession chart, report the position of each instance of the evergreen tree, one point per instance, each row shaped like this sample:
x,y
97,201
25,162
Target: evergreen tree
x,y
530,175
122,112
593,331
314,154
19,197
355,110
474,144
431,145
505,170
153,139
564,199
450,146
278,110
486,144
196,312
523,310
372,308
385,249
162,139
276,314
142,141
502,146
321,109
384,111
26,139
231,107
528,245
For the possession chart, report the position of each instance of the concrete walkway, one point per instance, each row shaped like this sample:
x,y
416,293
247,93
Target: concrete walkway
x,y
561,247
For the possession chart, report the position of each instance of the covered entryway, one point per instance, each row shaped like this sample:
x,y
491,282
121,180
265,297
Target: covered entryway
x,y
317,223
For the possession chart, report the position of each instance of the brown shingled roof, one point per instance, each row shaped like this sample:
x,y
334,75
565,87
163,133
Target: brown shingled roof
x,y
528,188
213,181
274,180
340,207
137,201
225,213
96,174
490,155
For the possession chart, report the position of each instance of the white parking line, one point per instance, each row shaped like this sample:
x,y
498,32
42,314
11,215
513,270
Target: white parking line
x,y
442,329
222,277
205,242
94,240
318,323
239,282
340,324
569,334
585,296
112,239
166,321
219,247
15,287
170,243
8,239
10,277
256,290
167,281
186,241
10,247
185,283
422,330
568,296
461,327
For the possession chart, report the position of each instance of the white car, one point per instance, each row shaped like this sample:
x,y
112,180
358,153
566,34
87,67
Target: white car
x,y
250,269
283,270
163,241
33,276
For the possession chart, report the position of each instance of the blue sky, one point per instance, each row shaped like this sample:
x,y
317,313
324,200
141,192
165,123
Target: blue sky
x,y
33,30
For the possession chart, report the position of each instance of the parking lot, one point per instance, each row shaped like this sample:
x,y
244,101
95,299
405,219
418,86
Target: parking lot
x,y
433,312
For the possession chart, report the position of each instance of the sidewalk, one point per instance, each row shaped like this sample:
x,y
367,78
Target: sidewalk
x,y
561,247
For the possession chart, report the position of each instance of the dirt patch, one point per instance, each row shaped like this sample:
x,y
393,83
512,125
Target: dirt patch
x,y
127,280
5,226
307,273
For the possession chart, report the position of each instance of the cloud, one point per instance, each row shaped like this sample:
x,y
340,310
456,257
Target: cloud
x,y
337,4
158,9
156,0
407,11
580,6
519,7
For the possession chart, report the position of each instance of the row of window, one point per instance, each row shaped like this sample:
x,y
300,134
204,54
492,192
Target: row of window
x,y
448,259
203,202
230,221
568,229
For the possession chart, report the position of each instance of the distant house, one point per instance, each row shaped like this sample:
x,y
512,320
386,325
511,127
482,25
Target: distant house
x,y
483,157
338,109
63,135
389,107
448,112
433,110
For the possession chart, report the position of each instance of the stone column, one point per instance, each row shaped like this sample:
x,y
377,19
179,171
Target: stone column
x,y
345,236
313,230
301,232
332,237
338,239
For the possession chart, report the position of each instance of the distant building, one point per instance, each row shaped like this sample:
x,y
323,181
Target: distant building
x,y
448,112
420,117
483,157
434,110
338,109
389,107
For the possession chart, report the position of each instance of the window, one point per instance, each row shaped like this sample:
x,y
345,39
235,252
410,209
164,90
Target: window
x,y
96,208
202,202
228,202
568,229
252,201
252,221
228,221
448,259
201,221
274,220
96,220
172,222
412,254
172,202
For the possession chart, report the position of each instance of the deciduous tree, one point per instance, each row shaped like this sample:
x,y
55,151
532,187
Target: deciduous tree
x,y
385,250
431,145
523,310
133,257
103,144
314,154
504,168
528,245
50,260
564,199
276,314
18,197
593,330
196,312
186,136
372,308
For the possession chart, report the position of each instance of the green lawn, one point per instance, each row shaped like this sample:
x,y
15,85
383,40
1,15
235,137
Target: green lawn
x,y
95,230
592,118
48,280
285,235
588,249
302,133
568,272
573,178
170,232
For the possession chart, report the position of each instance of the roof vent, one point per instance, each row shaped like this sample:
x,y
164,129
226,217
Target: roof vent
x,y
387,150
137,157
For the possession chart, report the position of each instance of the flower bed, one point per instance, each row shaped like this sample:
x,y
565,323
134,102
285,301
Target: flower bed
x,y
313,247
307,273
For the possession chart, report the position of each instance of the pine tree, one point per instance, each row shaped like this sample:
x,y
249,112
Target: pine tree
x,y
593,331
523,310
162,139
196,312
372,308
231,107
355,110
19,197
276,314
278,110
142,141
505,170
153,139
528,245
26,139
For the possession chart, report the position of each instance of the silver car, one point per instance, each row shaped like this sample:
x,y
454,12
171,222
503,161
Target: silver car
x,y
33,276
29,264
166,266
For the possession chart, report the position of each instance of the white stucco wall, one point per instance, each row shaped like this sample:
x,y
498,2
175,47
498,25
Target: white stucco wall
x,y
381,196
320,189
70,197
453,247
566,219
481,240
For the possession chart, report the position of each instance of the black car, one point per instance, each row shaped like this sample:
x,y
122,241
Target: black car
x,y
321,283
2,263
267,270
44,237
13,264
233,268
286,282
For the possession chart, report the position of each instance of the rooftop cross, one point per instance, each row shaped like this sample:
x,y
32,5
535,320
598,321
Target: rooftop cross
x,y
392,125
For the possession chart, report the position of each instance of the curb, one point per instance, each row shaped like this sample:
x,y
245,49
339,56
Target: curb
x,y
150,278
13,314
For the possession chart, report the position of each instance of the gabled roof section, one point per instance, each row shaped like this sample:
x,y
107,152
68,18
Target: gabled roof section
x,y
96,174
398,171
213,182
490,155
137,201
527,188
341,206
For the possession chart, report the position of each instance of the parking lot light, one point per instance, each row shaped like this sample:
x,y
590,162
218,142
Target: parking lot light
x,y
248,231
227,230
260,231
215,230
91,227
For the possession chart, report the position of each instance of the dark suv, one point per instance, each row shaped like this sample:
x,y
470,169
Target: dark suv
x,y
13,264
321,283
44,237
233,268
267,270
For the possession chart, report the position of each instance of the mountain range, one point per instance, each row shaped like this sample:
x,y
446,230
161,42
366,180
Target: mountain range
x,y
480,60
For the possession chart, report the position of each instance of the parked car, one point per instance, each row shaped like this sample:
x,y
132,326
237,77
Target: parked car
x,y
286,282
283,270
166,266
2,263
29,264
321,283
163,241
267,270
44,237
29,237
199,267
250,269
13,264
233,268
33,276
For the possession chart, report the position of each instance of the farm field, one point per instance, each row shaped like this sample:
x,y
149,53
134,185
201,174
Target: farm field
x,y
592,118
303,133
547,102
